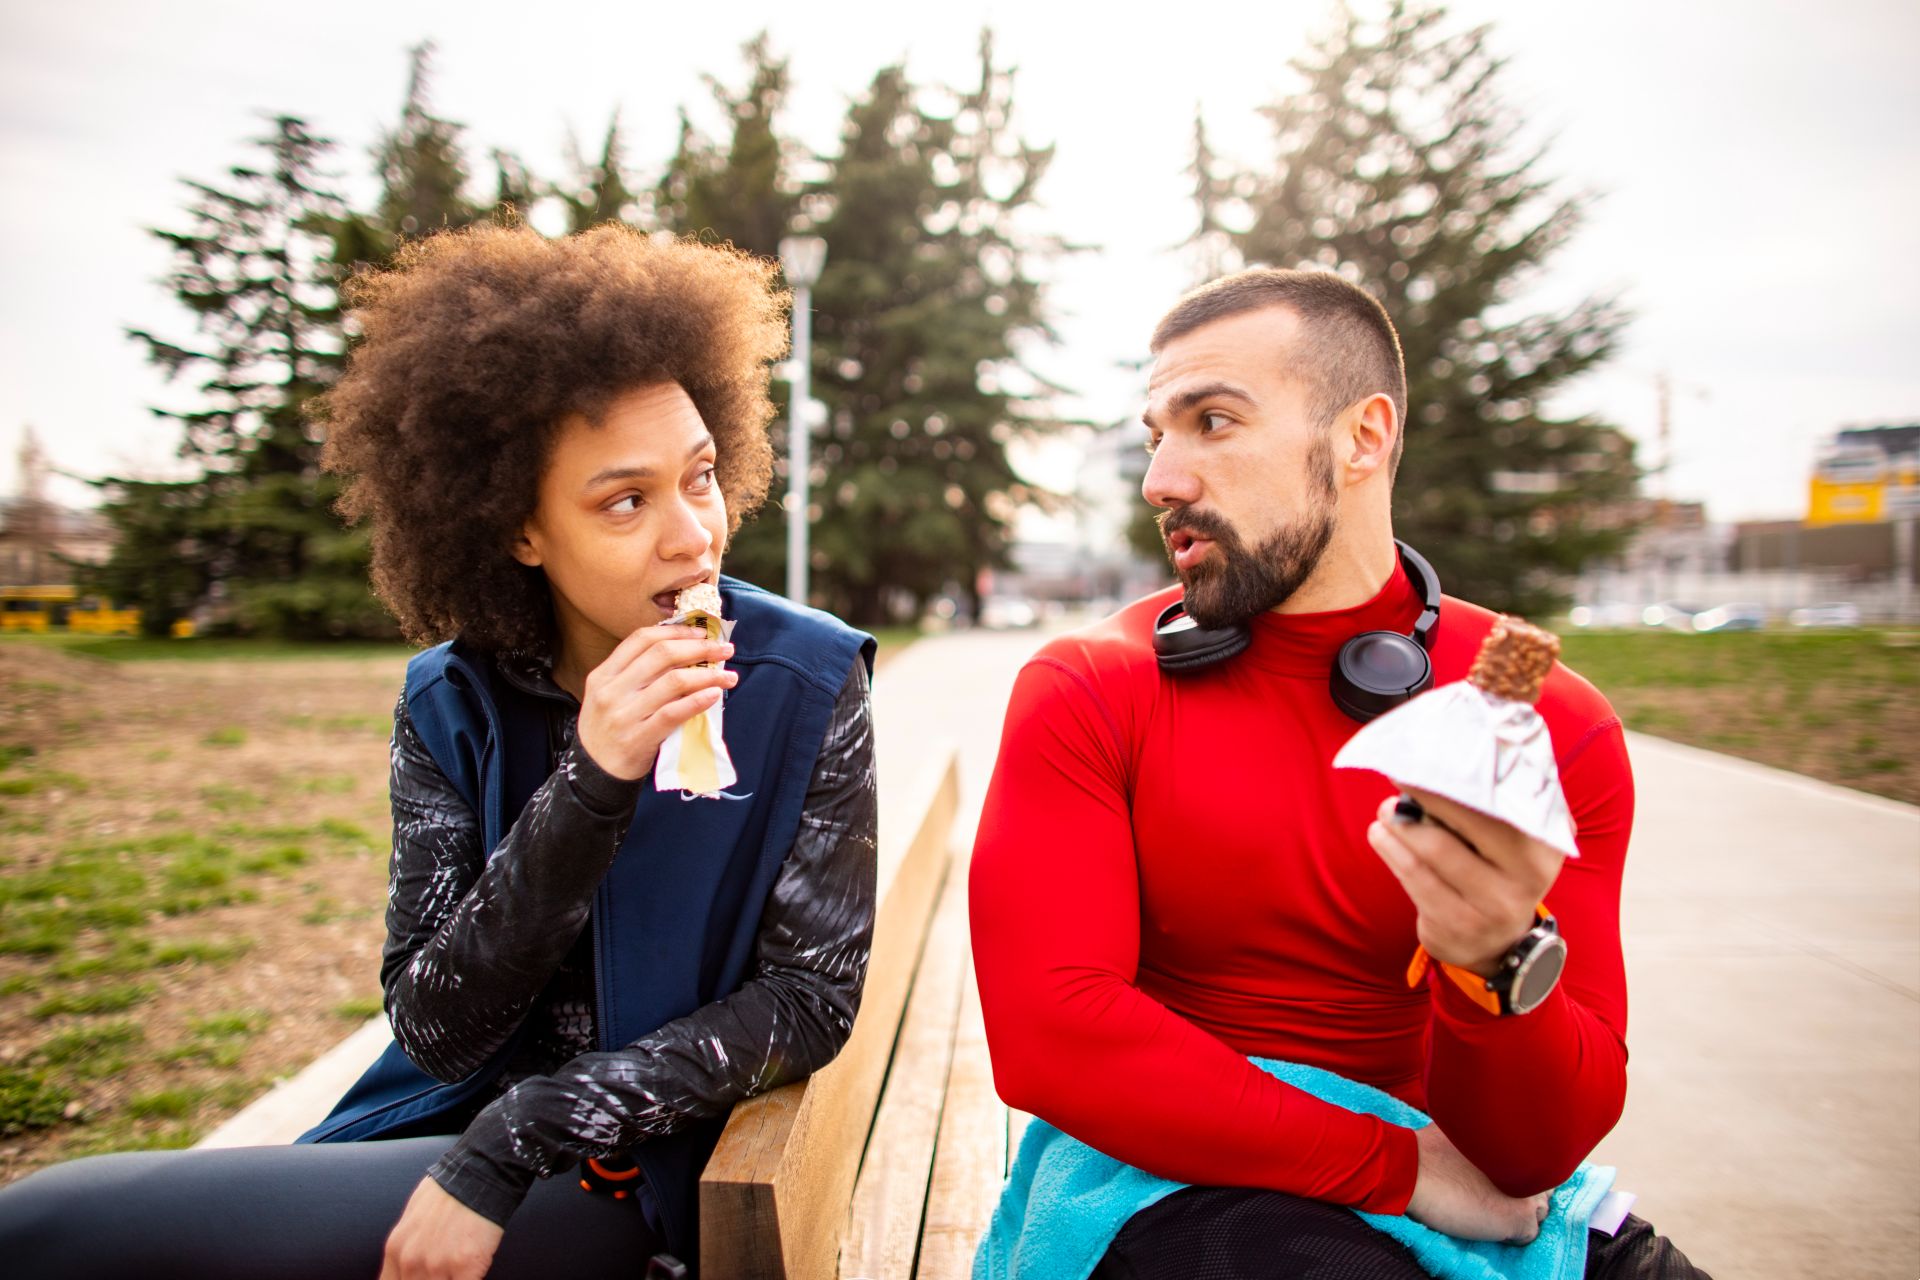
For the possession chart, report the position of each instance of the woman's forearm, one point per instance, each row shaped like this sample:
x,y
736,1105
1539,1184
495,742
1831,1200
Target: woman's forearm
x,y
472,941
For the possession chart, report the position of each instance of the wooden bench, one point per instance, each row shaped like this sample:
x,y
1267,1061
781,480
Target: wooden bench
x,y
887,1163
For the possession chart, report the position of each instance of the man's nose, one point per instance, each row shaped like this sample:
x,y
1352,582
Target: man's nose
x,y
1170,481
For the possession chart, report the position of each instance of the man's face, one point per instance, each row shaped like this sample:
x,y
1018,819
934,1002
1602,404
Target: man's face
x,y
1243,471
629,512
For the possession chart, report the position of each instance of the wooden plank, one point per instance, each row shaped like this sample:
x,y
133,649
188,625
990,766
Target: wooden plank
x,y
889,1200
774,1194
970,1163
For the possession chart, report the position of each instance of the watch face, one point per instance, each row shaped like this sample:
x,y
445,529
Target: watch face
x,y
1534,981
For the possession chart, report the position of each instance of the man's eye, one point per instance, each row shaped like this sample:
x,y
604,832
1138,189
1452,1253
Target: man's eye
x,y
1152,443
1213,421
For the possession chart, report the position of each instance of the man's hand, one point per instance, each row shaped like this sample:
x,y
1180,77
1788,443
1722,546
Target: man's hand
x,y
650,685
1475,891
438,1238
1452,1196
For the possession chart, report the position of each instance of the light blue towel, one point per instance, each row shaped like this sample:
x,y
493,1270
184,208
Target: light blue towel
x,y
1064,1203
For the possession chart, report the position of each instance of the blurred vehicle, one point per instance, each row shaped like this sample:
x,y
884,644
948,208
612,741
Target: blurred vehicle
x,y
1672,616
1731,617
37,610
1838,613
1005,612
1614,613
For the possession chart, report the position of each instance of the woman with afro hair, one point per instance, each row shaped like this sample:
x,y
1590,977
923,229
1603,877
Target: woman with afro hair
x,y
583,972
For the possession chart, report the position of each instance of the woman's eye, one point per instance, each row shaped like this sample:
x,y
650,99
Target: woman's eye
x,y
634,498
704,481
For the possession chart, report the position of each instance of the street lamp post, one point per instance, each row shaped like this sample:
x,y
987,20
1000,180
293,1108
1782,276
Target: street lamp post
x,y
801,257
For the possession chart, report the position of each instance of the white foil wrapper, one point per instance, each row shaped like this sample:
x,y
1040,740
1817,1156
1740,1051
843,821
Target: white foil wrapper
x,y
694,758
1487,753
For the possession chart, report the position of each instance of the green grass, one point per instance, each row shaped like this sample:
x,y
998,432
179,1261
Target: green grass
x,y
206,649
91,1051
1843,706
115,998
358,1010
226,736
28,1100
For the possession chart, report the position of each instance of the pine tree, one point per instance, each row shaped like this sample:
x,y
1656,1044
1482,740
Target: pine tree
x,y
254,269
926,295
1397,165
743,193
422,169
598,191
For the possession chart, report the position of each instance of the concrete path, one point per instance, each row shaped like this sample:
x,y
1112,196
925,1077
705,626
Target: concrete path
x,y
1773,949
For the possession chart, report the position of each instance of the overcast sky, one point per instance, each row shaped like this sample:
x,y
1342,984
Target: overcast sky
x,y
1757,162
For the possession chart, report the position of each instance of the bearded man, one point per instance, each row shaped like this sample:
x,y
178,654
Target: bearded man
x,y
1170,877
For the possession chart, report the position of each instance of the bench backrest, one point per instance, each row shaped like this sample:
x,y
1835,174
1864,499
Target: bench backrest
x,y
774,1194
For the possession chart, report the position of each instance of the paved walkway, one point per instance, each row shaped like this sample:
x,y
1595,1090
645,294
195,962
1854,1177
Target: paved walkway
x,y
1773,950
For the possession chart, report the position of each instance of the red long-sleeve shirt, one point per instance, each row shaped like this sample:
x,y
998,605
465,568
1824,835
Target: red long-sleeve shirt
x,y
1170,876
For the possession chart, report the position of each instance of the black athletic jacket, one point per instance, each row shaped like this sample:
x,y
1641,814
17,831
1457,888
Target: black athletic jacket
x,y
476,947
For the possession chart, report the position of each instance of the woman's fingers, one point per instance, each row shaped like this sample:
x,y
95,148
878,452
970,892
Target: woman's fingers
x,y
668,648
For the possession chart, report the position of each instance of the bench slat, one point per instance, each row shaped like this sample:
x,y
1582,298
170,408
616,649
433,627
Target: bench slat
x,y
774,1193
889,1200
970,1163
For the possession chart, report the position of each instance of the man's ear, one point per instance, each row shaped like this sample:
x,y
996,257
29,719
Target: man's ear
x,y
1375,426
524,549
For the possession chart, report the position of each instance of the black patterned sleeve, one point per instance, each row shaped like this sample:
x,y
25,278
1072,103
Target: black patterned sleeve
x,y
472,942
788,1020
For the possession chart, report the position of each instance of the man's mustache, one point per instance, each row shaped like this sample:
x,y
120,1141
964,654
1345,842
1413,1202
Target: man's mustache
x,y
1201,524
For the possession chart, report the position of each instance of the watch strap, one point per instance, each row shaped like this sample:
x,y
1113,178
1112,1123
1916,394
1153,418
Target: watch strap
x,y
1481,991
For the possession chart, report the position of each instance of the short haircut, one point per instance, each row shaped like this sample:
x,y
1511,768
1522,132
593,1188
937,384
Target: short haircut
x,y
476,346
1351,350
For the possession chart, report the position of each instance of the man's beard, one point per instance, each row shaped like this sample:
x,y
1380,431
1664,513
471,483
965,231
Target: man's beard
x,y
1227,590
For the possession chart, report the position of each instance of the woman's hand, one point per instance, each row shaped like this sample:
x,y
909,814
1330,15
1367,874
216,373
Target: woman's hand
x,y
1452,1196
648,687
438,1238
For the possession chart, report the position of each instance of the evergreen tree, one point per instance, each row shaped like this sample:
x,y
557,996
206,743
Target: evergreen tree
x,y
255,270
918,319
743,193
423,171
598,191
1398,166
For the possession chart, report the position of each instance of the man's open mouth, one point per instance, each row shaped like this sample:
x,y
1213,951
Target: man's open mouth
x,y
1188,548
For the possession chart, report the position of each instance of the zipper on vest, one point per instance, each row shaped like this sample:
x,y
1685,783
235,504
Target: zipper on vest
x,y
596,921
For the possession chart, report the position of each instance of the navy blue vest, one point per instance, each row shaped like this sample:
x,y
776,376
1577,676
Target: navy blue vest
x,y
673,921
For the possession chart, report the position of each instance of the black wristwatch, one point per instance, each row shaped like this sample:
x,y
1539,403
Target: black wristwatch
x,y
1529,971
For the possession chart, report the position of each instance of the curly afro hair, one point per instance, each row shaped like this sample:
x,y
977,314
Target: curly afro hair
x,y
477,344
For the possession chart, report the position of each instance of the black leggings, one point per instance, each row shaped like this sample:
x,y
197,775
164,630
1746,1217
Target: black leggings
x,y
1243,1233
284,1213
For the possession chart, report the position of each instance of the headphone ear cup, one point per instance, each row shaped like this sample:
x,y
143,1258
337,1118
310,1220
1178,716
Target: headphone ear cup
x,y
1181,645
1376,671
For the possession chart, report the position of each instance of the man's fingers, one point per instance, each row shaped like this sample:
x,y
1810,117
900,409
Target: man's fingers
x,y
1470,877
1429,892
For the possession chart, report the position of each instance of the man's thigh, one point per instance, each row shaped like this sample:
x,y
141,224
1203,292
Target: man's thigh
x,y
1245,1233
283,1212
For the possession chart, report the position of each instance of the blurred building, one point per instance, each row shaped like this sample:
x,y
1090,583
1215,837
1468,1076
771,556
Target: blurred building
x,y
1088,561
1855,545
38,535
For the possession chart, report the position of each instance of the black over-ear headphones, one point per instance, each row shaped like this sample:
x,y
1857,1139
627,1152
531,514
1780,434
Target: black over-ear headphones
x,y
1373,673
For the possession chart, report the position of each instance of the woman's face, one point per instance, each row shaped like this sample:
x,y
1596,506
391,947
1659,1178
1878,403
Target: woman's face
x,y
629,514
